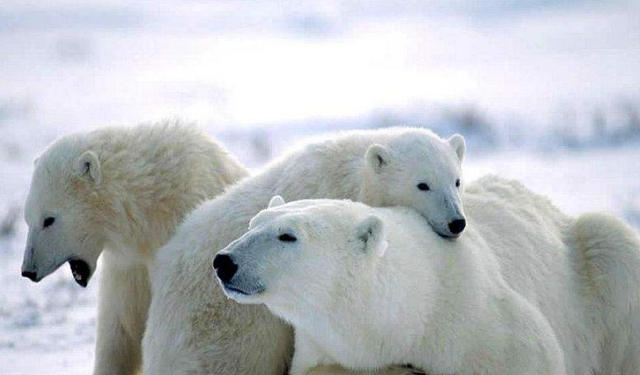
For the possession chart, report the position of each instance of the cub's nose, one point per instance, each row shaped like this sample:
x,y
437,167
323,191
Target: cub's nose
x,y
225,267
31,275
457,226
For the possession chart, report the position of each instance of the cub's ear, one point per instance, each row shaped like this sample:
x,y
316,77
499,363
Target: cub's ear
x,y
458,144
377,157
276,201
370,232
88,166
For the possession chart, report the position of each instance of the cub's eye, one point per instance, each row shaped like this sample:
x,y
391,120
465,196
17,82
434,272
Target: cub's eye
x,y
286,237
424,187
458,183
48,222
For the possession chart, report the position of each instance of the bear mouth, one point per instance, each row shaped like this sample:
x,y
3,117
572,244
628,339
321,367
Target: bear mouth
x,y
237,290
232,289
448,236
81,271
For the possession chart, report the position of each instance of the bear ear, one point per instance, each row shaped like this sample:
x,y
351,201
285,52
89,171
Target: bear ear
x,y
377,157
276,201
458,144
35,161
88,165
370,232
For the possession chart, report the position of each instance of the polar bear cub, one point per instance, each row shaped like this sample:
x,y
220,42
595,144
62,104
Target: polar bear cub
x,y
366,288
418,169
119,193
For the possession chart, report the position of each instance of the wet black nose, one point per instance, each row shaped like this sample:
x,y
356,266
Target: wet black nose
x,y
225,267
457,226
30,275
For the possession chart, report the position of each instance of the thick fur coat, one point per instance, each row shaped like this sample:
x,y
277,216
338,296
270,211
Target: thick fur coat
x,y
526,290
124,191
194,329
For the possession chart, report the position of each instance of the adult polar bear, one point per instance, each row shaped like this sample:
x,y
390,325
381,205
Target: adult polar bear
x,y
194,329
123,190
526,291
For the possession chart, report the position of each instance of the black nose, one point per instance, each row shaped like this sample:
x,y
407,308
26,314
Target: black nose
x,y
457,226
225,267
30,275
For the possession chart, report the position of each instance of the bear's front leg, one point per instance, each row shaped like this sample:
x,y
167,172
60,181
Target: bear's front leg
x,y
123,302
309,360
307,356
337,370
532,348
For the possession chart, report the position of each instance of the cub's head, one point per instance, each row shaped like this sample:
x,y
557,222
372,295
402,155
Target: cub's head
x,y
65,212
420,170
296,256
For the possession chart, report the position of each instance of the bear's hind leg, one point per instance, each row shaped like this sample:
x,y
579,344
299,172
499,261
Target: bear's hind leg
x,y
606,254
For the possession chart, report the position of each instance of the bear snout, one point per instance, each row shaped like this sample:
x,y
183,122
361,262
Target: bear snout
x,y
457,226
29,268
31,275
225,267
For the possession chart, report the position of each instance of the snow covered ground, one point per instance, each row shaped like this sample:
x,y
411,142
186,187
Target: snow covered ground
x,y
547,92
51,325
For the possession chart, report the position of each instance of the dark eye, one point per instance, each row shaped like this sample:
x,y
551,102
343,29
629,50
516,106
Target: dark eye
x,y
48,222
286,237
424,187
458,183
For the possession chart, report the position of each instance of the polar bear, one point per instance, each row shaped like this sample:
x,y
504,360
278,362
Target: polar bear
x,y
519,293
194,329
124,191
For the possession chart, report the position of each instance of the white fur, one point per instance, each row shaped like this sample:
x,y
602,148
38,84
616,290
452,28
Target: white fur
x,y
194,329
124,191
527,290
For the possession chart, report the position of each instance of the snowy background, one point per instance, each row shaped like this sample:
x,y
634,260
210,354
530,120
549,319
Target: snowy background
x,y
545,91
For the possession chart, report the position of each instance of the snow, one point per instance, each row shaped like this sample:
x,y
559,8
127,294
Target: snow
x,y
545,92
51,325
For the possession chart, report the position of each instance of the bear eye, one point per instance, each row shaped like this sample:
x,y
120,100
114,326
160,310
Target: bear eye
x,y
458,183
48,222
286,237
424,187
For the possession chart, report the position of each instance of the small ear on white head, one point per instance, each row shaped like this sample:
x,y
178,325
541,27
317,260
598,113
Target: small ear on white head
x,y
377,157
370,232
88,165
276,201
458,144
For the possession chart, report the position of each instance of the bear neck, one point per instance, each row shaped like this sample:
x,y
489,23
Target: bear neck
x,y
401,305
146,193
143,224
370,189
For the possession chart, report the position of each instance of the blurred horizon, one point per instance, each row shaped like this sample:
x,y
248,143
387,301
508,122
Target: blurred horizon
x,y
518,72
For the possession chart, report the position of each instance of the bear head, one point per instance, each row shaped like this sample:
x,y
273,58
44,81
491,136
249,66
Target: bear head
x,y
66,212
420,170
299,256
